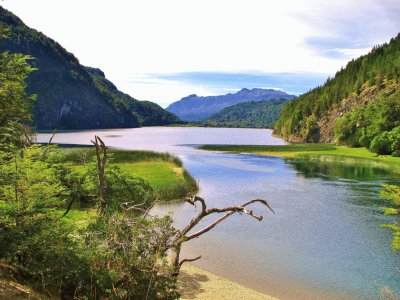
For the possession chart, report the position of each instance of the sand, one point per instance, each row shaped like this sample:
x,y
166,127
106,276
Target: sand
x,y
197,283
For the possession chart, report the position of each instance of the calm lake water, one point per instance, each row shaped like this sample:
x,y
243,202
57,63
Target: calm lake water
x,y
324,240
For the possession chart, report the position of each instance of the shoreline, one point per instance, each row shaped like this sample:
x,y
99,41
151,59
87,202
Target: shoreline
x,y
197,283
315,152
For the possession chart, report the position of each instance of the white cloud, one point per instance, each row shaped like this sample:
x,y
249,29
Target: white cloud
x,y
162,91
125,38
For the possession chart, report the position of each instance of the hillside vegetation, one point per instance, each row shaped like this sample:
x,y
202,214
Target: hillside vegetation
x,y
360,106
69,95
252,114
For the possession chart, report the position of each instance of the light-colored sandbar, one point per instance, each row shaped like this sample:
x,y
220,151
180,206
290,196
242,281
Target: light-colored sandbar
x,y
197,283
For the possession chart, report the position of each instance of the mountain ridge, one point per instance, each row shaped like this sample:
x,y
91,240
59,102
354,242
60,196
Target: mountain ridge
x,y
196,108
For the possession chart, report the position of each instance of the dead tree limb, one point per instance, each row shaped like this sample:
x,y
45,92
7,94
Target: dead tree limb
x,y
101,155
188,260
184,236
49,143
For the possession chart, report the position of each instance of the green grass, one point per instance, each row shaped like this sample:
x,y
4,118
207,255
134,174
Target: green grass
x,y
163,171
261,148
169,181
317,152
80,218
82,154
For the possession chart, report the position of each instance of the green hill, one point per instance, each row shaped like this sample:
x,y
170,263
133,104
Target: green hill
x,y
360,106
252,114
69,95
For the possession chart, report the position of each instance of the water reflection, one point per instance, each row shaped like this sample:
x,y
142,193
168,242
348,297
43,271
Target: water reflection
x,y
333,169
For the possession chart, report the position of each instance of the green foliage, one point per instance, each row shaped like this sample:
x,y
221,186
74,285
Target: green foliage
x,y
392,193
311,131
253,114
377,70
15,103
121,254
375,126
122,188
32,236
129,257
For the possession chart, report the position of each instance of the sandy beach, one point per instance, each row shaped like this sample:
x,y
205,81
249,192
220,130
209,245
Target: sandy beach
x,y
197,283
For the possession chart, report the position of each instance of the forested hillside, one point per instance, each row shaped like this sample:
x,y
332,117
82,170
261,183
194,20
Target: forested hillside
x,y
360,106
69,95
253,114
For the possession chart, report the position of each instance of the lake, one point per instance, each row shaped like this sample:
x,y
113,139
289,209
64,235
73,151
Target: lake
x,y
324,240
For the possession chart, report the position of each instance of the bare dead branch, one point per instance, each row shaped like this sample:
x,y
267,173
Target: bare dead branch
x,y
238,208
52,136
188,260
101,155
228,211
49,143
208,227
68,207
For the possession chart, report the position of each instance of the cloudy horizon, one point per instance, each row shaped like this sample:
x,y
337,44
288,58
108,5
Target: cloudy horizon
x,y
164,50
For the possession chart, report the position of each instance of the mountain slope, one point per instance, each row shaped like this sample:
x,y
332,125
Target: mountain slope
x,y
356,107
195,108
148,113
253,114
69,95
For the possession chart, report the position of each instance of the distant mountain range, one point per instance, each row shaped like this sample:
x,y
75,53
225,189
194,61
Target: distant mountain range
x,y
252,114
69,95
197,108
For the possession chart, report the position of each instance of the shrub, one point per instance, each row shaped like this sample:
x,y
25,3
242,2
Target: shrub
x,y
381,144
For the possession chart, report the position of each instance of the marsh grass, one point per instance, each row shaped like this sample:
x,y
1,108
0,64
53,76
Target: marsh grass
x,y
80,154
179,189
163,171
317,152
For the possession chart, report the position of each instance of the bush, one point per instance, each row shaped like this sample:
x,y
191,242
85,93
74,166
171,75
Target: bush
x,y
366,126
129,258
381,144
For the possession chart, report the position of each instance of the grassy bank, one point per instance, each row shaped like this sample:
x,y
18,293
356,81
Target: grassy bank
x,y
163,171
317,152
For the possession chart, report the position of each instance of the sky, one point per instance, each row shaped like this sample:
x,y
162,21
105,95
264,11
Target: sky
x,y
163,50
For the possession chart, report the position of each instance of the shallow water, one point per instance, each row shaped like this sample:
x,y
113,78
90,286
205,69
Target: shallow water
x,y
324,240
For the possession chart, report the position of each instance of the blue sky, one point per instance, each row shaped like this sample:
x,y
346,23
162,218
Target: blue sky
x,y
164,50
220,82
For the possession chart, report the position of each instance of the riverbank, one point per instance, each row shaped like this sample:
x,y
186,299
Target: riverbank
x,y
316,152
163,171
197,283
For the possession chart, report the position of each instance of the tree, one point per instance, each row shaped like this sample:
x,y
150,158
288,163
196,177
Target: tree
x,y
15,104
